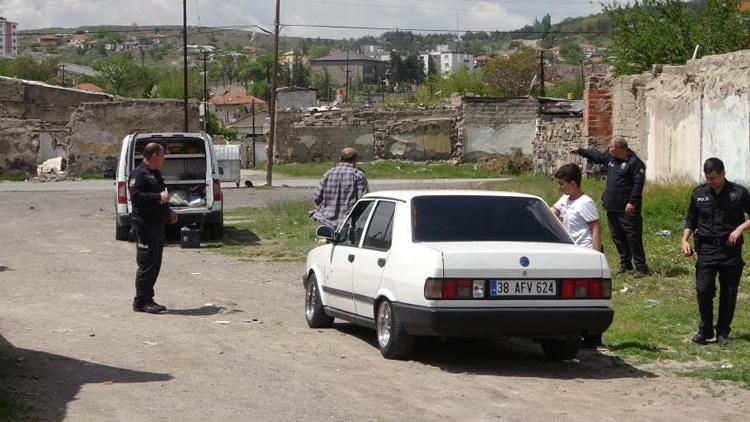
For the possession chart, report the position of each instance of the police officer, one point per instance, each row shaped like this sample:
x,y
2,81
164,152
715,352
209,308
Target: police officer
x,y
716,216
622,199
150,199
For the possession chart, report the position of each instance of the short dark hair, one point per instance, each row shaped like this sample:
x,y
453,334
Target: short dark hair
x,y
713,164
349,155
151,149
569,173
620,142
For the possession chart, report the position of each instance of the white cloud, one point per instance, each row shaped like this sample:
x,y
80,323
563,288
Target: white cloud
x,y
429,14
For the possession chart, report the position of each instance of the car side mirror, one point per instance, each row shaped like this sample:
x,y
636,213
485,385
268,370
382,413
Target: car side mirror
x,y
326,232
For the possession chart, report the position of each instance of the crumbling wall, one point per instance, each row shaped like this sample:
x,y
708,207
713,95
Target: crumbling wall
x,y
497,126
19,144
555,134
96,130
387,133
12,96
295,98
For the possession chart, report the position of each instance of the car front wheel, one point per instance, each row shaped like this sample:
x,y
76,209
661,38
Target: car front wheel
x,y
561,349
315,315
393,341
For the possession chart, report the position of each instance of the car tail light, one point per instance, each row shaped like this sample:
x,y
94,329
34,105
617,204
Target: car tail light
x,y
122,193
453,289
586,288
217,190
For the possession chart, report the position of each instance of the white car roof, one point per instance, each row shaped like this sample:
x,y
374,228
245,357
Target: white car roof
x,y
407,195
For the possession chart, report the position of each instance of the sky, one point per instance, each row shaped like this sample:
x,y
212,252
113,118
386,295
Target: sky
x,y
475,15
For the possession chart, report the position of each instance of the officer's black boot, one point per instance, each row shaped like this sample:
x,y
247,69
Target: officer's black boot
x,y
705,329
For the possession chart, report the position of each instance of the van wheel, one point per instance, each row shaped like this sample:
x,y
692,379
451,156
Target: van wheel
x,y
393,341
122,232
315,315
561,349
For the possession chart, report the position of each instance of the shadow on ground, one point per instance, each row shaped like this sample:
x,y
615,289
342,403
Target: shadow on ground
x,y
511,357
202,311
233,236
43,384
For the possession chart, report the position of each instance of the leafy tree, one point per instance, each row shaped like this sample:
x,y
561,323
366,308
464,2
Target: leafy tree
x,y
722,28
213,127
300,73
571,52
652,31
117,74
462,81
561,89
322,82
25,67
510,76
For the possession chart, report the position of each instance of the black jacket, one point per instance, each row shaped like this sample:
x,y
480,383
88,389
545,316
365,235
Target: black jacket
x,y
146,186
625,179
715,215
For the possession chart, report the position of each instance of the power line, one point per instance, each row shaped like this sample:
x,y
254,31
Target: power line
x,y
395,28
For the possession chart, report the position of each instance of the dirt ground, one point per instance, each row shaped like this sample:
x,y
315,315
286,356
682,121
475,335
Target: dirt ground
x,y
235,345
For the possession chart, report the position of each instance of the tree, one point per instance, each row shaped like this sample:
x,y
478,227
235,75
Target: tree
x,y
213,127
300,73
510,76
722,28
25,67
571,52
653,31
117,73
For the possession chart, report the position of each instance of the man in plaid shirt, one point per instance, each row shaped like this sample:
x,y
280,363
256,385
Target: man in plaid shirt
x,y
339,190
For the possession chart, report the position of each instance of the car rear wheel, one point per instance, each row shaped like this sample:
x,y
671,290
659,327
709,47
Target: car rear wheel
x,y
561,349
314,313
393,341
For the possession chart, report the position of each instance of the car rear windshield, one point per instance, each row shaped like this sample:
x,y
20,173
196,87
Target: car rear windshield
x,y
464,218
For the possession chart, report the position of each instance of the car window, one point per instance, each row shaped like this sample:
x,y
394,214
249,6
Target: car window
x,y
484,218
381,226
352,229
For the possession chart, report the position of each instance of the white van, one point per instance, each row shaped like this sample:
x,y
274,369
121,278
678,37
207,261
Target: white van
x,y
190,172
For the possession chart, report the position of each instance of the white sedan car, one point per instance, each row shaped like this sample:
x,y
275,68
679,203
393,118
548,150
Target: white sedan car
x,y
458,263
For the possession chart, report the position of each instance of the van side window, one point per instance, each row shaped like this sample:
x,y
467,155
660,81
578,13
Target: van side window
x,y
351,231
381,227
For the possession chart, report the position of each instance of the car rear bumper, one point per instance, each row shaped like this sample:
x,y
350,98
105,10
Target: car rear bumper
x,y
503,322
183,218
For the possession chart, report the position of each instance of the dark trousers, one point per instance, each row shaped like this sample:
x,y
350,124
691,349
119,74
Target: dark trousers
x,y
627,234
150,243
705,288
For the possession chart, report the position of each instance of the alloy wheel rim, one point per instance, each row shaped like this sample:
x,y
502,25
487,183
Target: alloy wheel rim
x,y
384,324
311,301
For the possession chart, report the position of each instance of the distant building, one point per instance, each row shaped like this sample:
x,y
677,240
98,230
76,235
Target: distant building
x,y
249,50
376,52
234,104
587,49
50,40
78,41
8,38
362,69
446,61
159,38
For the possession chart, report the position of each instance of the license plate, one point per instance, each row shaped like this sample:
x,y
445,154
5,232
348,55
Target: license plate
x,y
523,288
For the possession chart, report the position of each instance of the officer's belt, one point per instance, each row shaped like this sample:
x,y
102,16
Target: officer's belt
x,y
714,240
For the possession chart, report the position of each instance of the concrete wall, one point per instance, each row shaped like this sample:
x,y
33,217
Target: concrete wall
x,y
96,129
19,144
291,98
496,126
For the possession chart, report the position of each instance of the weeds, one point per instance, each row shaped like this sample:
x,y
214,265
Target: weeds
x,y
14,176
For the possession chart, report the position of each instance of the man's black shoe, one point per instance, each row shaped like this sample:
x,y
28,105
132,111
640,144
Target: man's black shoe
x,y
149,307
700,338
622,269
722,340
640,273
162,307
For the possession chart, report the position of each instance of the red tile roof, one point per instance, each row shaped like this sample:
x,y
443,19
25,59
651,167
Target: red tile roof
x,y
235,98
88,87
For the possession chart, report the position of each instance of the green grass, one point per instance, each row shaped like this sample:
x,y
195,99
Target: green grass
x,y
393,170
92,176
655,317
14,176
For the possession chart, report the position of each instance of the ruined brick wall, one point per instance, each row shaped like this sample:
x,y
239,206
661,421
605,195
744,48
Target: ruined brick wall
x,y
496,126
554,135
382,133
96,130
19,144
597,115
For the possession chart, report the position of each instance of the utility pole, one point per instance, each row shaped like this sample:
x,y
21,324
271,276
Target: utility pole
x,y
346,93
62,73
272,102
583,78
541,72
252,110
205,91
143,54
184,63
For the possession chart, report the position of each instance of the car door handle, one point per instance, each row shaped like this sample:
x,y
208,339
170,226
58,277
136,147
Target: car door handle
x,y
381,262
351,258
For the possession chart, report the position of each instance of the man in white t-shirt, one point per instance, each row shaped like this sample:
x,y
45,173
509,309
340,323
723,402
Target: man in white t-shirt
x,y
577,210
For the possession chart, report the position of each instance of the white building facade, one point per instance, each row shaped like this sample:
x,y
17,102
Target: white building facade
x,y
447,61
8,38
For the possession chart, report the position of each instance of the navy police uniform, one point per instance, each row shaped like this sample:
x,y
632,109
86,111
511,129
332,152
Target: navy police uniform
x,y
712,217
148,221
625,180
